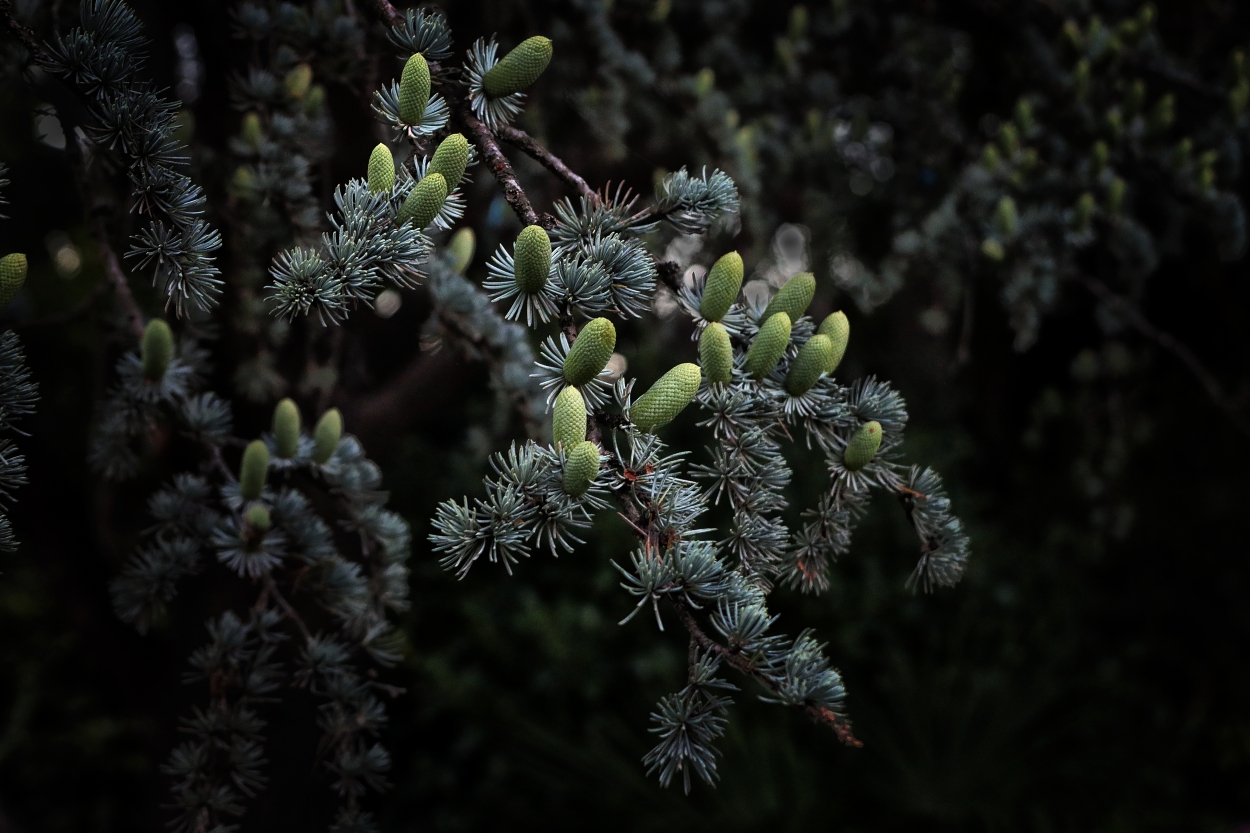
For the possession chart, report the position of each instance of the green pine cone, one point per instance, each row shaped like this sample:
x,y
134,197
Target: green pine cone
x,y
809,365
532,259
862,446
257,517
12,276
590,352
326,436
297,81
581,467
414,89
667,398
252,131
156,350
286,428
461,248
724,280
1083,213
519,68
568,422
793,297
765,351
716,354
254,469
450,159
838,329
381,169
424,201
1007,217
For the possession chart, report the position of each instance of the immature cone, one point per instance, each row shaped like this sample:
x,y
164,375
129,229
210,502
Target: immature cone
x,y
156,350
381,169
568,422
765,351
519,68
809,365
254,469
12,276
424,201
862,446
298,81
252,131
716,354
326,436
414,89
993,250
838,330
670,394
450,159
1115,195
532,259
286,428
590,352
257,517
794,297
1007,218
724,280
581,466
461,248
1083,213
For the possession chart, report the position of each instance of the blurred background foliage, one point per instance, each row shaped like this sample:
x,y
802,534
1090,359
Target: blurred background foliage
x,y
1090,672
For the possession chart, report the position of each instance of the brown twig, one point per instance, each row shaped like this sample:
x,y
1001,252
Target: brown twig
x,y
388,12
23,33
130,308
271,587
518,138
501,168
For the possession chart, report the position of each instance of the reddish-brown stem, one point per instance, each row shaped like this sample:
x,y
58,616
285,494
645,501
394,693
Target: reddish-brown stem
x,y
518,138
113,268
500,167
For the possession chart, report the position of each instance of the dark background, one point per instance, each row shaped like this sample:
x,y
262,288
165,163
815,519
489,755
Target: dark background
x,y
1090,672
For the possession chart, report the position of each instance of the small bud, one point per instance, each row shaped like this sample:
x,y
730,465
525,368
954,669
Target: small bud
x,y
1024,115
1182,155
1080,80
461,247
257,518
12,276
798,22
519,68
568,422
286,428
254,470
1072,31
716,354
1009,139
793,298
423,202
297,81
1206,177
1007,217
531,257
1115,195
242,182
1239,99
450,159
704,82
1099,156
156,350
809,365
667,398
720,290
590,352
993,250
581,467
1083,212
315,100
769,344
1237,67
1146,15
1115,123
1163,114
252,132
381,169
838,329
326,436
990,158
862,446
1134,98
414,89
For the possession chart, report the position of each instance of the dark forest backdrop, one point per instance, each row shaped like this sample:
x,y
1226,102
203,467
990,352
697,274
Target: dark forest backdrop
x,y
1088,674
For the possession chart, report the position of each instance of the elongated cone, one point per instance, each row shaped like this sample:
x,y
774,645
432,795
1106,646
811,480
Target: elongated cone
x,y
838,329
461,247
254,470
667,398
257,517
519,68
156,350
992,249
424,201
450,159
724,280
297,81
793,298
326,436
716,354
809,365
252,131
286,428
532,259
568,422
862,446
381,169
414,89
590,352
12,276
581,466
765,351
1007,218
